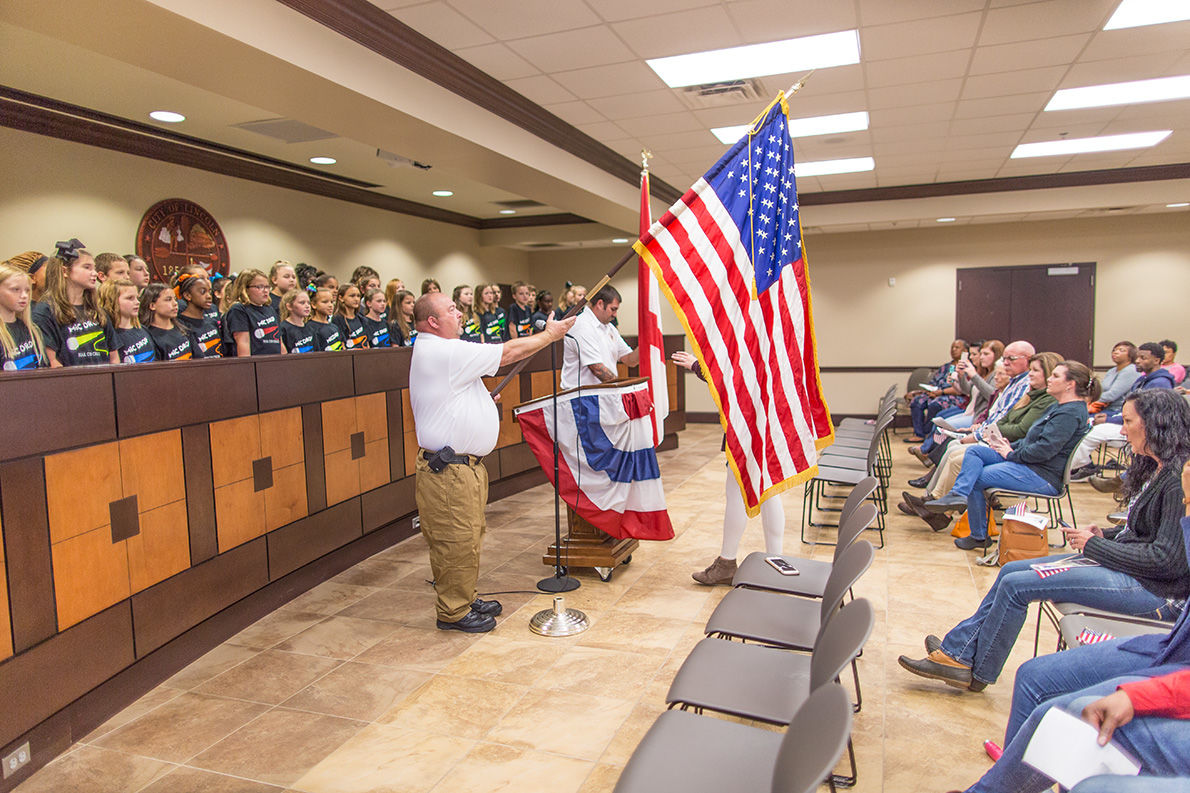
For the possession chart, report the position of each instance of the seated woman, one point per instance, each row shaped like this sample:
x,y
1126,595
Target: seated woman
x,y
924,404
1015,424
976,381
1142,568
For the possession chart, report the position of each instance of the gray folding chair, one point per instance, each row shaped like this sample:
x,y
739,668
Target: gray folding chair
x,y
833,476
767,684
1071,628
685,753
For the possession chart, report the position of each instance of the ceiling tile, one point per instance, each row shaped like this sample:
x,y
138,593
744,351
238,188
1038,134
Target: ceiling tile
x,y
1120,70
917,69
444,25
1005,141
678,33
934,129
996,106
699,158
938,34
773,20
824,82
914,94
849,181
882,12
603,131
576,112
1045,19
619,78
573,49
617,10
805,103
637,105
973,169
974,126
532,17
989,157
663,123
667,141
540,89
1108,44
930,146
897,116
1018,82
1055,51
497,61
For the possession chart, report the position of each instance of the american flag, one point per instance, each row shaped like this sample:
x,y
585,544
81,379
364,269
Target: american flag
x,y
650,342
729,257
1088,636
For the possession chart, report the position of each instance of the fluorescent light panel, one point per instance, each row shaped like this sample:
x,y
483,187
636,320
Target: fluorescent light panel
x,y
1135,92
167,116
828,167
1136,13
803,127
1049,148
758,60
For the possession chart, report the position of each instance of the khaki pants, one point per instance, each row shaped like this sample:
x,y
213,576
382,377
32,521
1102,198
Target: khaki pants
x,y
450,505
947,470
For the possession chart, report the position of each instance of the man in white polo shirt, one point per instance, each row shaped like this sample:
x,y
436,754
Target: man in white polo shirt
x,y
457,425
593,348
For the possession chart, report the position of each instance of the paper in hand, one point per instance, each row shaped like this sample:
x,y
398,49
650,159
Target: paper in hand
x,y
1066,749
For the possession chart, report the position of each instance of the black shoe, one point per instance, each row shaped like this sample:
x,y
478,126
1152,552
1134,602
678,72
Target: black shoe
x,y
936,522
491,608
917,502
970,543
947,503
472,622
959,677
933,643
921,481
1084,473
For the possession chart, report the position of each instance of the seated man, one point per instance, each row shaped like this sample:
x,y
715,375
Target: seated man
x,y
1106,427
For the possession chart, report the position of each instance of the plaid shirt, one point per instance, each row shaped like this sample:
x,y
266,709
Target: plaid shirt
x,y
1017,387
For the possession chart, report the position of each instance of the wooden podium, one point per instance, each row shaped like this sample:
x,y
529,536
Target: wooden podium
x,y
586,545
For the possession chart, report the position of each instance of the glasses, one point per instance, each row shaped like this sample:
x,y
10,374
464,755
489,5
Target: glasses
x,y
258,286
1014,357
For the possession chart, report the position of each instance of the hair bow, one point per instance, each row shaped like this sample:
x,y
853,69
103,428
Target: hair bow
x,y
68,251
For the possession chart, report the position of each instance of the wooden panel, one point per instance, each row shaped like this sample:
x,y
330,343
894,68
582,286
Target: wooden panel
x,y
315,463
151,467
342,477
161,549
283,381
410,432
373,466
515,459
50,676
75,407
396,435
5,620
179,603
543,384
281,437
285,501
79,486
160,397
381,370
200,493
235,443
28,558
492,463
90,574
304,541
338,424
383,505
371,413
239,513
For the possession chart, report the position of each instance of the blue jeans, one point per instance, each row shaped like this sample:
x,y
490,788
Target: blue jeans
x,y
1161,745
1108,783
955,417
984,640
984,468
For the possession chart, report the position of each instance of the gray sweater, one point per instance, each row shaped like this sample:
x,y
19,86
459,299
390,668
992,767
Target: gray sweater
x,y
1116,385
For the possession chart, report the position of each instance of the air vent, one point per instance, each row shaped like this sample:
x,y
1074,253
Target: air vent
x,y
397,161
286,129
519,203
543,245
734,92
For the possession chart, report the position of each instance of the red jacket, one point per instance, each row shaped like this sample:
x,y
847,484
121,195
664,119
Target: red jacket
x,y
1167,696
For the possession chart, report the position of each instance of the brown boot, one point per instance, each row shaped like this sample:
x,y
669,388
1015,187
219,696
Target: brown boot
x,y
721,571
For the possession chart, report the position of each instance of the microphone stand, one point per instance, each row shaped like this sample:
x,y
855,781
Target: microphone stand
x,y
559,581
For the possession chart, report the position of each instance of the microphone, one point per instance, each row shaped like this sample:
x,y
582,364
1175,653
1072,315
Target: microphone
x,y
539,325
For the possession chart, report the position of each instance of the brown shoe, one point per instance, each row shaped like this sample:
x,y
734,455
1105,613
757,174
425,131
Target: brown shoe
x,y
720,572
921,456
939,666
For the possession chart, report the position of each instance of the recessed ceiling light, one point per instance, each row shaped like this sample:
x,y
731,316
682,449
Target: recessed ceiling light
x,y
620,241
946,220
1048,148
1178,205
758,60
444,193
323,160
168,116
1135,13
507,211
803,127
827,167
1131,93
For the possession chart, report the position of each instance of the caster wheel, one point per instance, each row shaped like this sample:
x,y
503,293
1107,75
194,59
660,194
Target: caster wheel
x,y
604,573
627,559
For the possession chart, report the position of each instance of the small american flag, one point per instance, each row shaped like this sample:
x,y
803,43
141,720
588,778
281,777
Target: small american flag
x,y
1088,636
1016,510
729,257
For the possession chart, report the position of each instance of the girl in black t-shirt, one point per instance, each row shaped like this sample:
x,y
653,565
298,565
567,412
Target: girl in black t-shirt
x,y
327,336
493,324
196,316
348,320
296,333
21,346
159,313
251,327
464,297
74,327
544,308
282,279
375,323
401,328
131,342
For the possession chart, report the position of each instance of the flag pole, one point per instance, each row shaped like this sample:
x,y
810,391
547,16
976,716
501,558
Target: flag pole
x,y
793,89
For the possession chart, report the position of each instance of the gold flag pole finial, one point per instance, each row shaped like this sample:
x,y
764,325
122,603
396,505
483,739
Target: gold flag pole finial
x,y
800,83
645,156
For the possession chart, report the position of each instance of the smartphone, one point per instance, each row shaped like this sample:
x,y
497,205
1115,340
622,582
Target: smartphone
x,y
781,566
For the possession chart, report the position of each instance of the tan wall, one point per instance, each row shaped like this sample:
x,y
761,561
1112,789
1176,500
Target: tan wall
x,y
1143,277
55,190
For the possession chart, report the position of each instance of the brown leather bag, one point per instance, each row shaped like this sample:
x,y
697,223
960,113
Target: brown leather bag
x,y
1020,540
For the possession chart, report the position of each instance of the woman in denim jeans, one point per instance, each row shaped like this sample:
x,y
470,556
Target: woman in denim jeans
x,y
1142,568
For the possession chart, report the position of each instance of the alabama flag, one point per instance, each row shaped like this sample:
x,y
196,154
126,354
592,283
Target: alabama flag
x,y
607,466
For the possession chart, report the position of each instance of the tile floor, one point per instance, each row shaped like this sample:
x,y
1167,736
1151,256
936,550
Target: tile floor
x,y
350,688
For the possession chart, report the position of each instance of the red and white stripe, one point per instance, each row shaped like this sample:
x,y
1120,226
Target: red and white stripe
x,y
1088,636
757,353
650,343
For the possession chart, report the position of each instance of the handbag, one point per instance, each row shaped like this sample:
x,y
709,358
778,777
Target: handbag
x,y
962,526
1021,540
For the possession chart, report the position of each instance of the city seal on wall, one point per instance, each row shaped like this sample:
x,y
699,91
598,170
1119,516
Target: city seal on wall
x,y
176,232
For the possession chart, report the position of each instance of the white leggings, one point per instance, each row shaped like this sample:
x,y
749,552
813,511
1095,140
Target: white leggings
x,y
735,518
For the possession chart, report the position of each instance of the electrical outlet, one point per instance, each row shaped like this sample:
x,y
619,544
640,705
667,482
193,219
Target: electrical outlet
x,y
17,760
417,521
